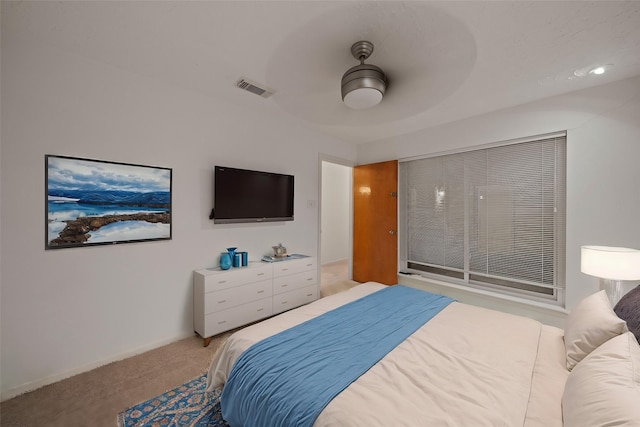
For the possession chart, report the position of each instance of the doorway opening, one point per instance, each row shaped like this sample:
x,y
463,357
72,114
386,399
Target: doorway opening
x,y
335,226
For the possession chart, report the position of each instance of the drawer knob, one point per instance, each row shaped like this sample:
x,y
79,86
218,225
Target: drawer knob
x,y
222,281
284,302
285,285
260,274
221,322
222,302
310,278
260,292
260,309
309,295
284,269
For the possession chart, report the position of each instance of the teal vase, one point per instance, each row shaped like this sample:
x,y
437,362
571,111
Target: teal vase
x,y
225,261
232,253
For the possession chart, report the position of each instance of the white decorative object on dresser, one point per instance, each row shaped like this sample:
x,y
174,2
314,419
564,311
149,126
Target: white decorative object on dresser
x,y
227,299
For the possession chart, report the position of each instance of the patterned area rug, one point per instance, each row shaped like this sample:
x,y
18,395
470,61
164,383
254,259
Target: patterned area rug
x,y
187,405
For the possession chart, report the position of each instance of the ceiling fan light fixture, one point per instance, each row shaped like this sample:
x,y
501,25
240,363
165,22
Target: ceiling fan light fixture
x,y
364,85
359,99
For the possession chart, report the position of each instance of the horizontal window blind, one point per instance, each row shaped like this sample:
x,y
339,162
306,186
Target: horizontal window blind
x,y
490,217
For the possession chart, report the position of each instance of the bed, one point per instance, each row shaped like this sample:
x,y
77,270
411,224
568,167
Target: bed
x,y
468,366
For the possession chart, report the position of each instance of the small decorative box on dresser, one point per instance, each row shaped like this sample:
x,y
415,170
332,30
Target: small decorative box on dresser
x,y
226,299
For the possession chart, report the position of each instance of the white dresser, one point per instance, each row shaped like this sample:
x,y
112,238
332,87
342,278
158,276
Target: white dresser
x,y
227,299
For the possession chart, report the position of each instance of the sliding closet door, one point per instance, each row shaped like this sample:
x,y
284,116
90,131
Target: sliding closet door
x,y
375,222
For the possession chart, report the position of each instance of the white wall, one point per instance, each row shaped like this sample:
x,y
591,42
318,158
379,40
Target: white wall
x,y
68,310
335,208
603,151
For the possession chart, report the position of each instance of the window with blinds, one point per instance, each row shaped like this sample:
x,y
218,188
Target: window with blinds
x,y
492,217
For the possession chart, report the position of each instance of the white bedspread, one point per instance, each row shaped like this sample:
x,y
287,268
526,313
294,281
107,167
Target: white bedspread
x,y
468,366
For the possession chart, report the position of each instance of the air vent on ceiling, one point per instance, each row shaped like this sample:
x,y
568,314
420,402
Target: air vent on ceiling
x,y
254,87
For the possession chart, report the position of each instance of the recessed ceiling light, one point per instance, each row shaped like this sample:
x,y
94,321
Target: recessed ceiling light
x,y
601,69
584,72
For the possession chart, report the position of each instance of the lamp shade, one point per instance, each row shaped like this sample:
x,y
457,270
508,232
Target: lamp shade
x,y
610,262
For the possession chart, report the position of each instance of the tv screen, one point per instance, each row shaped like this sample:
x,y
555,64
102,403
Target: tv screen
x,y
251,196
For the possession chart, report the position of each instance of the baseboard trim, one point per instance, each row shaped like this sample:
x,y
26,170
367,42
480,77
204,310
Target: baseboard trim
x,y
34,385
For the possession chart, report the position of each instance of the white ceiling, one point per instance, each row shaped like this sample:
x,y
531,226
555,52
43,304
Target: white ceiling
x,y
445,60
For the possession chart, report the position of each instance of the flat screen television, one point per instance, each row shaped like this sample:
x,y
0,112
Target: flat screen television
x,y
242,195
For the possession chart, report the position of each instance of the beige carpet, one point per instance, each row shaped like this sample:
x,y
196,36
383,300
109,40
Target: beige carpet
x,y
335,278
95,398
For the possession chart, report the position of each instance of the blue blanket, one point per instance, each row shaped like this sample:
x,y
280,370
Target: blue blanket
x,y
287,379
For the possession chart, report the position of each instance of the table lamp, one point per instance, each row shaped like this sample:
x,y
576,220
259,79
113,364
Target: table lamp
x,y
611,265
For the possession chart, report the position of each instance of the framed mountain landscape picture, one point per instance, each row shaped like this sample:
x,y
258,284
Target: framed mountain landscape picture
x,y
97,202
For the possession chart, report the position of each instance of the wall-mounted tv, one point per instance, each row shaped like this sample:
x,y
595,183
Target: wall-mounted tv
x,y
242,195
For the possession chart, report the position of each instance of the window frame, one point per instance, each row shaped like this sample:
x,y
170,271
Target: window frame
x,y
466,278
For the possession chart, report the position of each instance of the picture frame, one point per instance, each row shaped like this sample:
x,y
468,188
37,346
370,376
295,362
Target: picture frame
x,y
98,202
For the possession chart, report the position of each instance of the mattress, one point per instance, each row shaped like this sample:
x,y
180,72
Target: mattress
x,y
466,366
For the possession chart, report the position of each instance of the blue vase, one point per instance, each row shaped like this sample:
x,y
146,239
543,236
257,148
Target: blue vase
x,y
225,261
232,253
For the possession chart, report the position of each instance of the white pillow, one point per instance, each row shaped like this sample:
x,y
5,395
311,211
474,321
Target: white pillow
x,y
604,388
590,324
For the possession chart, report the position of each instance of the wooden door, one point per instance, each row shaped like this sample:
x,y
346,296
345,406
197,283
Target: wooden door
x,y
375,222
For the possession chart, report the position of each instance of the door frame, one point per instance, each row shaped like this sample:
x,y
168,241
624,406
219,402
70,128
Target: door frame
x,y
350,164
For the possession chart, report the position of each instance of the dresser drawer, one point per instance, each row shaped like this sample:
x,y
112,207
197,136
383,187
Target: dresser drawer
x,y
232,297
285,268
294,281
295,298
221,321
218,280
